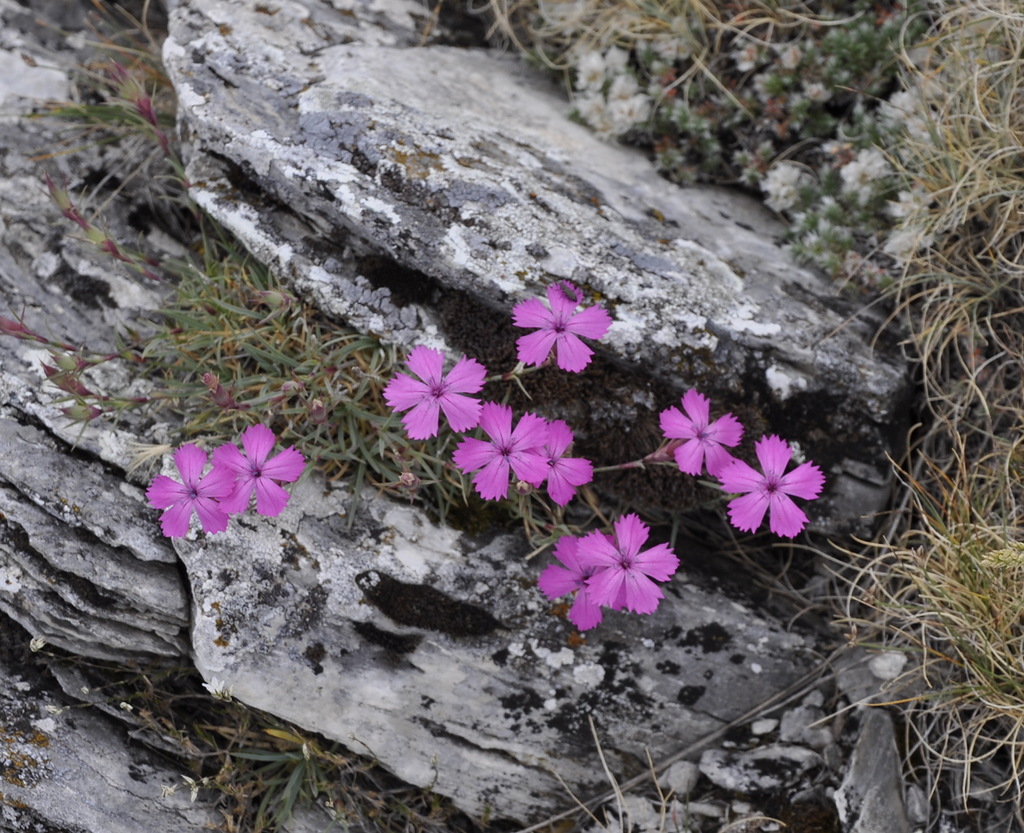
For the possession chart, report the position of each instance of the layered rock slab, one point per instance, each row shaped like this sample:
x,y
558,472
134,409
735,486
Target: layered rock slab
x,y
435,652
332,141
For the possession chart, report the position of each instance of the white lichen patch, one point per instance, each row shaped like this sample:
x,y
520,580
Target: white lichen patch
x,y
784,382
588,674
417,544
382,208
455,246
742,319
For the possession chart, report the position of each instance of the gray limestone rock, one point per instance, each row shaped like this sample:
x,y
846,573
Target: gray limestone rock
x,y
437,653
870,799
67,768
413,189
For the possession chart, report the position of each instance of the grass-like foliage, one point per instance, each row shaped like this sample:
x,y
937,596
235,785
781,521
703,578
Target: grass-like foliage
x,y
946,592
945,586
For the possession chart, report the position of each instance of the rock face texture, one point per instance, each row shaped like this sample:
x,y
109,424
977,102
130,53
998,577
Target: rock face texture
x,y
438,653
412,188
416,192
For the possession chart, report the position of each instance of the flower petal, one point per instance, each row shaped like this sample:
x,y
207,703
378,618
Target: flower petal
x,y
229,457
496,421
534,348
287,465
492,480
592,322
190,460
560,437
747,512
697,407
805,481
466,377
270,497
531,313
421,422
604,586
211,516
659,562
404,392
258,440
717,459
572,354
642,594
565,475
774,454
217,483
426,363
726,430
675,426
165,491
690,457
175,520
462,412
585,613
472,454
786,518
555,581
630,534
739,477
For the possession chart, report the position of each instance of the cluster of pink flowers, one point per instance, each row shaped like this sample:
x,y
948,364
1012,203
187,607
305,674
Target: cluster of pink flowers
x,y
227,488
609,571
534,450
602,570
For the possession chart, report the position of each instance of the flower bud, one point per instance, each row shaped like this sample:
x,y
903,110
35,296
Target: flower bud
x,y
81,412
9,327
66,362
275,299
221,396
523,488
317,412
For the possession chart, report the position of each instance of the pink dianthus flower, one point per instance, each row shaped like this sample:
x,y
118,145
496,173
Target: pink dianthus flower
x,y
627,580
704,439
436,392
519,450
564,474
197,493
557,580
769,491
559,326
253,472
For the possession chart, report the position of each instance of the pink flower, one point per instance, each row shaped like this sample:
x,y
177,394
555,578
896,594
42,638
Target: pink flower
x,y
252,471
196,493
559,327
519,450
771,490
436,392
627,580
557,580
564,474
704,441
